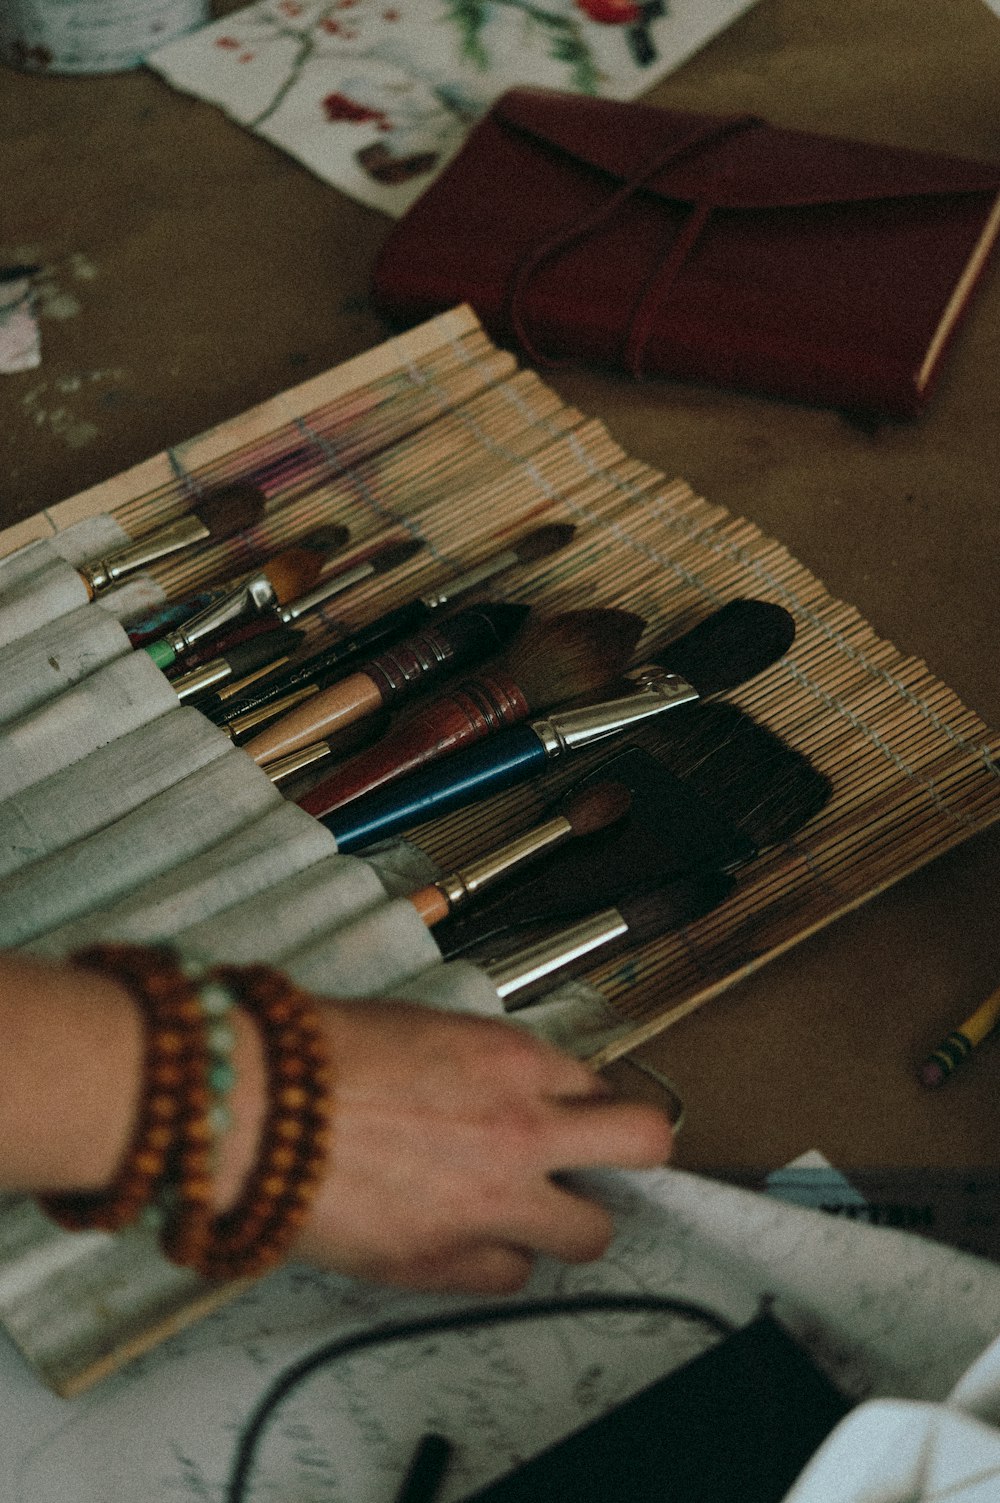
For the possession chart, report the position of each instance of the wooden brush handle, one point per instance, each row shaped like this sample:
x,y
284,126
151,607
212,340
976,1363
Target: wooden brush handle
x,y
395,674
431,904
474,710
316,718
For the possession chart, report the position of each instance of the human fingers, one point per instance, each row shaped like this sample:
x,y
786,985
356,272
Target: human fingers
x,y
551,1219
493,1269
608,1134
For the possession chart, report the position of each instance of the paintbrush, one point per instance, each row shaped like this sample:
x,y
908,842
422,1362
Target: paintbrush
x,y
585,812
328,665
217,516
564,657
277,588
327,540
715,789
405,669
632,922
259,655
718,654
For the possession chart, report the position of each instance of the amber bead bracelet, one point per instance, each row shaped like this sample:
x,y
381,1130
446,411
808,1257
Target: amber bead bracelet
x,y
167,1171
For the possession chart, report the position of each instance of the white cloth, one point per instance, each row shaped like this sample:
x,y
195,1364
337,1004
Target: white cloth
x,y
38,667
115,700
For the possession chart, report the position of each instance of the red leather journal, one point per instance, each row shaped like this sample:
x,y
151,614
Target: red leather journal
x,y
700,248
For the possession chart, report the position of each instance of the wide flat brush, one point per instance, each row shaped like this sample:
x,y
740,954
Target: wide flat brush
x,y
633,922
718,654
582,814
710,788
329,664
217,516
259,655
565,657
282,588
404,670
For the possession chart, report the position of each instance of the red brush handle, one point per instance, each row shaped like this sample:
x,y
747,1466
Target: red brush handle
x,y
472,711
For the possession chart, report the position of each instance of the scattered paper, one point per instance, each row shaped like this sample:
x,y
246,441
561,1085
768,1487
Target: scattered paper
x,y
375,96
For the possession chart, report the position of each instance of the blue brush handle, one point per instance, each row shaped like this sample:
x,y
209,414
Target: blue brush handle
x,y
477,771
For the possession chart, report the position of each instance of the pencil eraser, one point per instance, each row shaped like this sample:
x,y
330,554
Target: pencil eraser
x,y
931,1073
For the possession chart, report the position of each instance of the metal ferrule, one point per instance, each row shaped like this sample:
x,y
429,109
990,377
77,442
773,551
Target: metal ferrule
x,y
470,579
571,729
240,685
458,886
240,724
535,962
200,679
286,767
103,573
254,596
296,608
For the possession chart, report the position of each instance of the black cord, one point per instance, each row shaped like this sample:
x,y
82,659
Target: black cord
x,y
462,1320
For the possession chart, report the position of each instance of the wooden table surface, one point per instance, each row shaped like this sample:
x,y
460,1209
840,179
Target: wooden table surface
x,y
192,270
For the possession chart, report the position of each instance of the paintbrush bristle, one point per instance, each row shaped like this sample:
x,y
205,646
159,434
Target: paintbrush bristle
x,y
230,509
293,572
328,540
729,647
393,554
650,915
543,541
748,774
597,807
575,654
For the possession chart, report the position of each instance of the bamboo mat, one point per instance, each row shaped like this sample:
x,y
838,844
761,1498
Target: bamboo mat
x,y
440,436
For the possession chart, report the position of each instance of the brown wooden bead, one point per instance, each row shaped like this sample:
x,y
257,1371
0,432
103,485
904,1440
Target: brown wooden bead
x,y
258,1232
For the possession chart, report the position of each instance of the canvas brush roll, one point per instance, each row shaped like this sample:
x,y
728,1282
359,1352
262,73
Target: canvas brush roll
x,y
709,249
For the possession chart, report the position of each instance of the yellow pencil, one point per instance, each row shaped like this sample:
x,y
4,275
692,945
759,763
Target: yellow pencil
x,y
951,1051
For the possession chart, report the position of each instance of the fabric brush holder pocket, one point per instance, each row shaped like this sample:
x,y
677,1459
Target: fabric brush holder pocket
x,y
40,583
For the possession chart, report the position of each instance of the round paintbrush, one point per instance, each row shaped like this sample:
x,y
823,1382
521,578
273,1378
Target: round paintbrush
x,y
565,657
630,923
585,813
328,665
327,540
520,752
285,586
217,516
406,669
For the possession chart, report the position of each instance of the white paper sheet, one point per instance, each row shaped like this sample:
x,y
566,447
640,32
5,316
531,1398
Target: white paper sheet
x,y
376,96
886,1312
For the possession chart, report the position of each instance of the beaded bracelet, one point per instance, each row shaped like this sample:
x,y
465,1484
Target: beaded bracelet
x,y
257,1233
174,1132
166,1176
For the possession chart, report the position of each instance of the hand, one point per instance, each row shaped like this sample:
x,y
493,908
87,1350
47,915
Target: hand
x,y
447,1132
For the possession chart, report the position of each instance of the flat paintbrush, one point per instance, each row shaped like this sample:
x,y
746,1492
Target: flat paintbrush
x,y
329,664
633,922
584,813
711,787
564,657
285,587
259,655
217,516
406,669
725,650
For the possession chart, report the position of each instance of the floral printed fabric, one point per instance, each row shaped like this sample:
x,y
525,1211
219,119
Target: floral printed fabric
x,y
375,96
